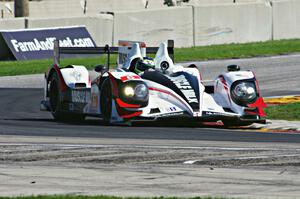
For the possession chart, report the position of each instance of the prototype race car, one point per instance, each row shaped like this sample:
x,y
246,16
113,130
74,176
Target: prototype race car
x,y
145,89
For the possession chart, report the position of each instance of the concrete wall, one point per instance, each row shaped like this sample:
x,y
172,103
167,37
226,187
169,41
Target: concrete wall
x,y
213,2
156,4
155,26
69,8
286,19
73,7
96,6
9,24
238,23
188,26
61,8
100,27
8,9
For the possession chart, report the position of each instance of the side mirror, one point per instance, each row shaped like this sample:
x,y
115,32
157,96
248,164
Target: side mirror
x,y
233,68
164,66
100,69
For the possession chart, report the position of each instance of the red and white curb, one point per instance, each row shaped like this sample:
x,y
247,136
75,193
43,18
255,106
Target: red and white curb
x,y
280,126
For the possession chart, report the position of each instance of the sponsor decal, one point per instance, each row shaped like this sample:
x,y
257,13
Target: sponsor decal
x,y
171,109
183,84
79,96
197,114
38,43
213,113
171,114
129,77
76,75
47,44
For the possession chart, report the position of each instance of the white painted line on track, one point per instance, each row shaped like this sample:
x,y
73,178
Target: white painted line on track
x,y
76,146
190,161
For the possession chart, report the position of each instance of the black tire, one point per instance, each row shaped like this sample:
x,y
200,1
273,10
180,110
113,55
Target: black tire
x,y
106,101
55,103
54,95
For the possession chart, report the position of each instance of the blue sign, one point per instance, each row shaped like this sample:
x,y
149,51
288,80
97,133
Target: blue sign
x,y
38,43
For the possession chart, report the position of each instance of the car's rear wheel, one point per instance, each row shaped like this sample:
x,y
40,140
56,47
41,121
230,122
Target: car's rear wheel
x,y
54,95
106,101
56,106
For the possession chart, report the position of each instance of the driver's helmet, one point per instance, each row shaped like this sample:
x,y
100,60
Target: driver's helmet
x,y
144,64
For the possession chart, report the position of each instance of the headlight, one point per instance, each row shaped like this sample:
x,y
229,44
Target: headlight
x,y
243,93
141,91
137,92
129,91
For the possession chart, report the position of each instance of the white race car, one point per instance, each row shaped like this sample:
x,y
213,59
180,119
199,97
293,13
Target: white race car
x,y
145,89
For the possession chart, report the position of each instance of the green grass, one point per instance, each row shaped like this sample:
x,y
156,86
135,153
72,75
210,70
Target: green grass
x,y
181,54
99,197
10,68
289,112
238,50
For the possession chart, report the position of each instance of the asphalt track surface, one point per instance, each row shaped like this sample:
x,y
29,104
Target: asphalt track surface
x,y
20,114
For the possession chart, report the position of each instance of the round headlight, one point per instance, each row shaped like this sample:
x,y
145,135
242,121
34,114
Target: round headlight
x,y
141,91
129,91
244,93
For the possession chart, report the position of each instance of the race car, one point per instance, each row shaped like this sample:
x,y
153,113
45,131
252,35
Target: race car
x,y
145,89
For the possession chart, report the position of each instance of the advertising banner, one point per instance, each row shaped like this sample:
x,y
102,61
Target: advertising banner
x,y
38,43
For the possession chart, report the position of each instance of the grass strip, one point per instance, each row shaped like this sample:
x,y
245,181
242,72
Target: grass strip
x,y
289,112
226,51
12,68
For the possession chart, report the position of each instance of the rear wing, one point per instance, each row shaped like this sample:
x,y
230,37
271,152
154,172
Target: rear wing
x,y
121,50
82,50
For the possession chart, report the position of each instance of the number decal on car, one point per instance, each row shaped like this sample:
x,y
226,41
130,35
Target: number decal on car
x,y
79,96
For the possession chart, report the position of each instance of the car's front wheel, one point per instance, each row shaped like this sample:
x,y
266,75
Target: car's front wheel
x,y
106,101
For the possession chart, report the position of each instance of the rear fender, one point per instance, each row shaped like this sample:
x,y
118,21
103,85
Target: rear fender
x,y
48,76
76,76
